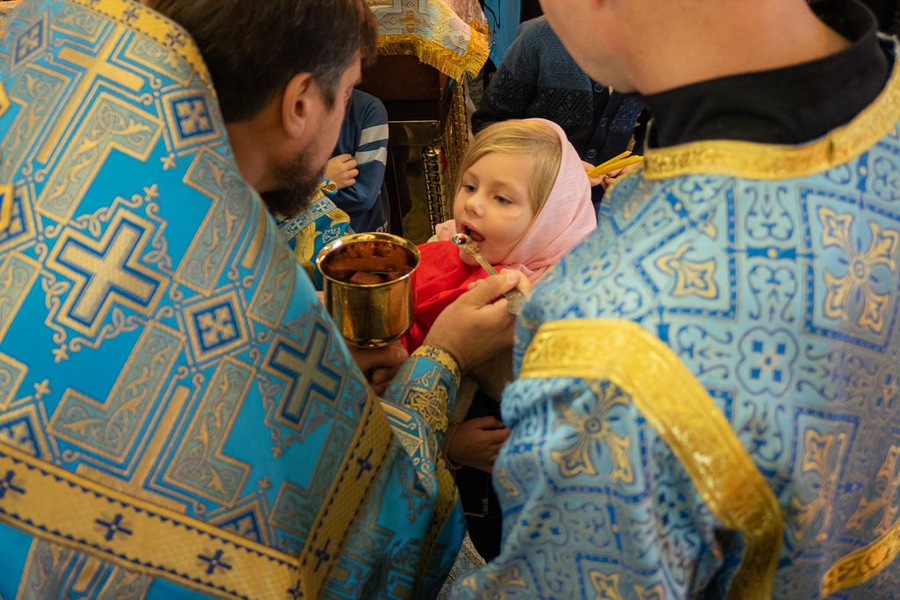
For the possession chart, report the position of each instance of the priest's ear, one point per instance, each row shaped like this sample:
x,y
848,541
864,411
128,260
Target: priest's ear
x,y
299,103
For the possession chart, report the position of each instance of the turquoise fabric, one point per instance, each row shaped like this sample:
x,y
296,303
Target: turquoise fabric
x,y
317,226
158,337
503,21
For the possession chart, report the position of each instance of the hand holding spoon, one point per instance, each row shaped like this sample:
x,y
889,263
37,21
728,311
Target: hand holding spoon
x,y
513,297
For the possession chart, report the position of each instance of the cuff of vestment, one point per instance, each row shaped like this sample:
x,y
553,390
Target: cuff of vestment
x,y
442,357
427,383
329,188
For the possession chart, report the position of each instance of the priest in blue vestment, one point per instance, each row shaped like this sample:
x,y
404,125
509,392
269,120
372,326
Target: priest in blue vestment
x,y
707,400
179,416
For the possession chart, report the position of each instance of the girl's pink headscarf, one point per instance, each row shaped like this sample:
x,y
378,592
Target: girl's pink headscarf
x,y
566,218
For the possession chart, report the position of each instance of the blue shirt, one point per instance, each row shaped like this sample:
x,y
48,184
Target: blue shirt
x,y
364,135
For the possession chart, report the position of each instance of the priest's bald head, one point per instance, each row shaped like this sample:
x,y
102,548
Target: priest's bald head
x,y
283,71
655,45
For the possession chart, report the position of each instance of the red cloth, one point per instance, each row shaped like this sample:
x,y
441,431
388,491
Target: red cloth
x,y
441,278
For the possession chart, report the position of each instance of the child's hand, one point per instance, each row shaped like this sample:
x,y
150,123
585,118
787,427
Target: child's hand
x,y
477,442
607,180
342,170
595,181
613,176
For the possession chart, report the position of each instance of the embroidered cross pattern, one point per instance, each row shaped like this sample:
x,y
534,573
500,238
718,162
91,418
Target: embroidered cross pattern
x,y
174,39
29,42
8,484
215,562
130,15
107,270
308,371
216,327
768,361
296,592
364,464
856,291
193,117
94,67
113,527
322,555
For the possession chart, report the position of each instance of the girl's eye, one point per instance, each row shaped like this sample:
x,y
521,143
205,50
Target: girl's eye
x,y
503,200
468,187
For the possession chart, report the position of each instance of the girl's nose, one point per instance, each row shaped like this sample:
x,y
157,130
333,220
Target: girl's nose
x,y
475,204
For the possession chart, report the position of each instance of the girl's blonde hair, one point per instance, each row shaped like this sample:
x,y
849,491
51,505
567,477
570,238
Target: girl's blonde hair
x,y
520,138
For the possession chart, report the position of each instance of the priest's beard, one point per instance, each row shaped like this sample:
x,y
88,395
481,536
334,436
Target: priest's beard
x,y
299,181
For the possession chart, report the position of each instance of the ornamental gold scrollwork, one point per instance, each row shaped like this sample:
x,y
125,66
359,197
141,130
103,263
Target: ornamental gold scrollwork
x,y
856,296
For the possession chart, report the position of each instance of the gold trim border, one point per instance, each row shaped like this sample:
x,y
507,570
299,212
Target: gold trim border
x,y
682,412
7,198
442,357
863,564
4,97
158,541
362,465
443,508
155,26
431,53
773,161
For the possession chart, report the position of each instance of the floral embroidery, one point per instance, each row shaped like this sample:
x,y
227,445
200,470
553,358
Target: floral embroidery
x,y
691,278
858,295
592,429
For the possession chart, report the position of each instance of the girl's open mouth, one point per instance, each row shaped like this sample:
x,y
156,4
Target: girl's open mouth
x,y
476,237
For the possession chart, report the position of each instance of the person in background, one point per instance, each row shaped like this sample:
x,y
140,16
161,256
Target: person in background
x,y
351,197
358,165
538,78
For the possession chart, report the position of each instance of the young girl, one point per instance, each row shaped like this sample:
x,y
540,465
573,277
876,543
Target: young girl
x,y
523,197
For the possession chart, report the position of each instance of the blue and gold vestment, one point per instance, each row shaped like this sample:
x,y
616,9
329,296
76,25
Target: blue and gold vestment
x,y
178,416
707,396
317,226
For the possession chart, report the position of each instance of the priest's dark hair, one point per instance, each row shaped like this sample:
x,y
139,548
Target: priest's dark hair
x,y
254,48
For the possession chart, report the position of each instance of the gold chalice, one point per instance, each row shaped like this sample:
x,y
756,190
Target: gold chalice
x,y
368,286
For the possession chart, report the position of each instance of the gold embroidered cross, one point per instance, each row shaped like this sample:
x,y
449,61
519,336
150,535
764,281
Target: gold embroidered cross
x,y
94,67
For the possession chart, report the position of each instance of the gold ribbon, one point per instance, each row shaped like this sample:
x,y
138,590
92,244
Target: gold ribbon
x,y
7,196
682,412
772,161
137,535
358,472
863,564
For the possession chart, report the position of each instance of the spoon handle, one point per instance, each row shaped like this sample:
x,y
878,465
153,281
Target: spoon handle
x,y
513,297
481,261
